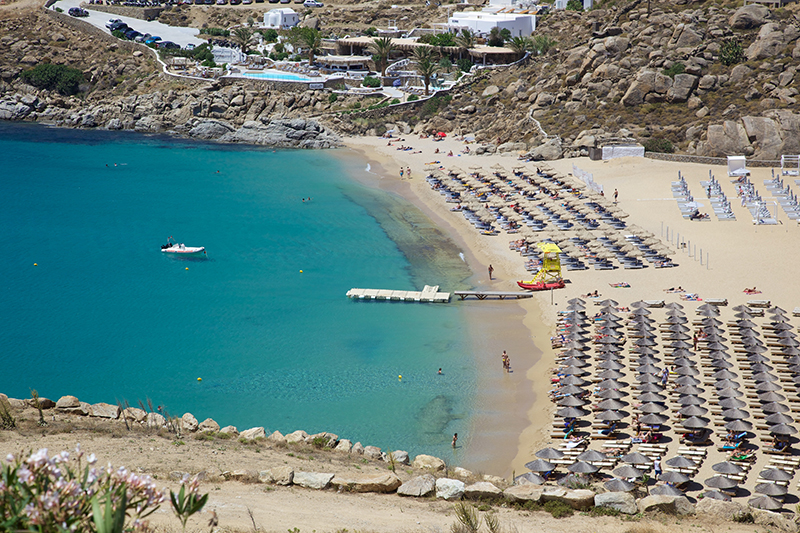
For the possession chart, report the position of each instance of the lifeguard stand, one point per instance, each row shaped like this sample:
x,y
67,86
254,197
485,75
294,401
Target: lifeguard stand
x,y
737,166
551,264
790,165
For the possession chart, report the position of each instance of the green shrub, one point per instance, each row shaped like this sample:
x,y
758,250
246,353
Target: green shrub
x,y
432,105
394,101
59,10
558,509
216,32
658,144
745,517
603,511
730,52
464,64
676,68
224,436
439,39
7,420
369,81
356,105
66,80
372,31
413,98
332,98
118,34
270,35
575,5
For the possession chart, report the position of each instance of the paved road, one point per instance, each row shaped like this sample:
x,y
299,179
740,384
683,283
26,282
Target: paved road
x,y
181,36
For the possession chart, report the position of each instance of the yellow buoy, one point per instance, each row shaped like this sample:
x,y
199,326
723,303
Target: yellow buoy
x,y
301,271
187,268
400,378
199,379
36,264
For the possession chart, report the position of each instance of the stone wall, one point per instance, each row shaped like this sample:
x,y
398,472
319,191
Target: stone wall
x,y
277,85
143,13
702,160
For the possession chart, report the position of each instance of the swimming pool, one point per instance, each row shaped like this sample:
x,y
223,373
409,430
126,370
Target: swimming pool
x,y
278,76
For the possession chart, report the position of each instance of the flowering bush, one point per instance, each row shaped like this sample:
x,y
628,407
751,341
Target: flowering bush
x,y
54,494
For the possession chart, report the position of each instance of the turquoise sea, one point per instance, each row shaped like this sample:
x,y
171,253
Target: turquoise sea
x,y
105,316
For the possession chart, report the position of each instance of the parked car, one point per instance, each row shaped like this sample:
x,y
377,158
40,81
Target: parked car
x,y
119,26
78,12
152,40
190,46
312,3
247,2
167,45
236,2
112,22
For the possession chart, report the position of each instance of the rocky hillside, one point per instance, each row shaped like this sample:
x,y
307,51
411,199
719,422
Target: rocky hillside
x,y
647,76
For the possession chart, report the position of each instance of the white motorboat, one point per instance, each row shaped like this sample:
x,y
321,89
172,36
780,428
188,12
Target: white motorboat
x,y
180,249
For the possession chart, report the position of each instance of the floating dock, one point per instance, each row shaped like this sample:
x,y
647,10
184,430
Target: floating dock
x,y
501,295
430,294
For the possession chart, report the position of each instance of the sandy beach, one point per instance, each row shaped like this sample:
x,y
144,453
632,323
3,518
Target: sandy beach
x,y
735,255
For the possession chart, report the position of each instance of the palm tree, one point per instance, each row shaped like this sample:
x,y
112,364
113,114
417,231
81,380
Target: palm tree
x,y
520,45
542,43
426,65
381,49
465,40
243,37
306,38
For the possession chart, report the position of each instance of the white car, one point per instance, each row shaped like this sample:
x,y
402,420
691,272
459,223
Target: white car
x,y
312,3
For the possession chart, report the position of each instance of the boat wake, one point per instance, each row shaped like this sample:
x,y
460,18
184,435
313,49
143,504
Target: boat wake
x,y
368,169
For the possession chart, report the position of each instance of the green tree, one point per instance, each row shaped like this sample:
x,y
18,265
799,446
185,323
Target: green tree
x,y
495,38
382,48
427,65
66,80
465,39
270,35
372,31
520,45
730,52
243,37
575,5
445,64
308,38
542,44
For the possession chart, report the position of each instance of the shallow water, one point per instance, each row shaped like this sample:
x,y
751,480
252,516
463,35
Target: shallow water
x,y
106,317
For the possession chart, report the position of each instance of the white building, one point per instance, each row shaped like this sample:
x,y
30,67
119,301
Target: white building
x,y
482,22
281,18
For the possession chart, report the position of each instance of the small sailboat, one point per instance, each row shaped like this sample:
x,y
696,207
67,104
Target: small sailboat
x,y
181,250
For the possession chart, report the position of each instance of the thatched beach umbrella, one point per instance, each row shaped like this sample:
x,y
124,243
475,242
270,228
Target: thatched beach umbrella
x,y
689,389
720,482
627,472
680,461
581,467
610,416
731,403
666,490
716,495
690,400
726,467
571,401
673,477
739,425
779,418
765,502
549,453
529,478
652,407
782,429
771,489
611,394
775,474
694,422
774,407
618,485
653,419
729,393
692,410
571,412
635,458
651,397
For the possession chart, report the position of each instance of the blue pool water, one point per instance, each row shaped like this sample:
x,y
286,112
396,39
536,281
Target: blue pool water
x,y
278,76
106,316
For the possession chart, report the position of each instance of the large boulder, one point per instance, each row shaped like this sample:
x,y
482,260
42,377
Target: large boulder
x,y
766,133
323,440
524,493
312,480
641,86
155,420
296,437
623,502
280,475
579,498
397,456
550,150
229,430
134,414
774,520
253,433
491,90
418,487
718,510
550,493
44,403
682,87
723,140
687,36
276,437
344,446
387,482
449,489
105,410
210,129
482,490
373,452
66,403
678,505
208,426
428,462
769,43
750,16
189,422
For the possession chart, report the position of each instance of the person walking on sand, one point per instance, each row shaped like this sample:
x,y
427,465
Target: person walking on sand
x,y
616,194
401,172
491,270
408,172
455,439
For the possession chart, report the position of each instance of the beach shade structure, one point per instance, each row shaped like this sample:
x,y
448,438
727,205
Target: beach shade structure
x,y
674,305
678,328
726,467
573,371
581,467
724,374
716,495
687,380
592,455
754,348
683,361
731,403
679,344
652,407
789,350
779,418
716,346
680,461
764,376
529,478
666,490
611,374
721,364
611,384
739,425
775,474
692,410
771,396
761,367
644,341
540,465
648,369
765,502
774,407
640,311
611,365
677,337
710,321
726,384
571,412
618,485
571,401
549,453
650,387
782,429
735,414
647,378
648,360
610,416
576,301
643,351
610,340
687,371
673,477
574,361
608,302
690,399
627,472
612,403
729,392
695,422
789,342
611,394
573,381
720,482
771,489
746,323
651,397
653,419
635,458
690,389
